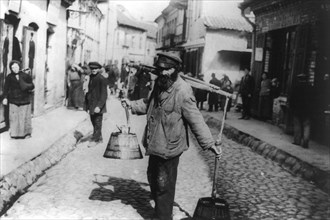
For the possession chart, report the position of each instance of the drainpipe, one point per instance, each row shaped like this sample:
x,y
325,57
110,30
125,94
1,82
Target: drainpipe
x,y
254,36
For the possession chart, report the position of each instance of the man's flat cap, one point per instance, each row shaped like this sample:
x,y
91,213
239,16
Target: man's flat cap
x,y
94,65
168,60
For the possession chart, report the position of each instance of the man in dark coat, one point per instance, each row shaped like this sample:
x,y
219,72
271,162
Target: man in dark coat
x,y
200,94
96,101
214,97
302,105
246,90
143,84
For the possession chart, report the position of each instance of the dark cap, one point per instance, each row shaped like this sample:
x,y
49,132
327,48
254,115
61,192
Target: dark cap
x,y
94,65
167,60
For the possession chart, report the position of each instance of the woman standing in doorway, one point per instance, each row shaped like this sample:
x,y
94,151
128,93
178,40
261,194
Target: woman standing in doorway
x,y
265,100
17,93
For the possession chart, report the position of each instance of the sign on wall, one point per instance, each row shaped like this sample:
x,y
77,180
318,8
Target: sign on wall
x,y
258,54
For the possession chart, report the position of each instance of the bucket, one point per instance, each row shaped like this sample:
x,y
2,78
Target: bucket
x,y
123,144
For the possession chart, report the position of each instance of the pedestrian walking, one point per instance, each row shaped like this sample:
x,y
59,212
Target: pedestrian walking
x,y
96,101
17,93
265,99
170,109
214,97
75,82
246,91
200,94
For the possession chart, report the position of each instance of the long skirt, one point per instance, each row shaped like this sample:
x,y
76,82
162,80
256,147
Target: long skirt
x,y
76,94
20,120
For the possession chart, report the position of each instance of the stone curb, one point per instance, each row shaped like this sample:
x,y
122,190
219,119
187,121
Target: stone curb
x,y
287,161
16,183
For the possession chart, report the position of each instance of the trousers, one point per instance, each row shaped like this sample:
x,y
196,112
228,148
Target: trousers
x,y
162,175
246,105
96,120
301,130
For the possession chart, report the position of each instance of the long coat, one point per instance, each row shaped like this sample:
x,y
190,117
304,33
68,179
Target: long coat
x,y
18,92
247,85
97,93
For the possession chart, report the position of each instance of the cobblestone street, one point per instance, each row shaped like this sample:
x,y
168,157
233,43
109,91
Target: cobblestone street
x,y
85,185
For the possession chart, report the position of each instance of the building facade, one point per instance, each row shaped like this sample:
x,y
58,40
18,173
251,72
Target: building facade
x,y
211,36
34,32
292,40
134,40
84,32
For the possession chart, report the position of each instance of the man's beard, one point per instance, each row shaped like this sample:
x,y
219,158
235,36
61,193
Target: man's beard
x,y
165,81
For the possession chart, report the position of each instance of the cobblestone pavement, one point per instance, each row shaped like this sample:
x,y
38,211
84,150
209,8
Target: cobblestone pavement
x,y
84,185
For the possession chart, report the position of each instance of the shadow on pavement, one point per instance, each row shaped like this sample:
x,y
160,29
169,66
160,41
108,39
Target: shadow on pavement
x,y
128,191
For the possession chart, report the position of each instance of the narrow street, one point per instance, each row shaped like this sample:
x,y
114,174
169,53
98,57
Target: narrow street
x,y
85,185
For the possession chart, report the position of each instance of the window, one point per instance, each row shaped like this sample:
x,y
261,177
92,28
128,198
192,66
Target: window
x,y
140,43
125,40
133,39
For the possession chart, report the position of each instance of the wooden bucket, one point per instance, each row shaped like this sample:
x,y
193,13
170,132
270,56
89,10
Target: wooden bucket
x,y
124,146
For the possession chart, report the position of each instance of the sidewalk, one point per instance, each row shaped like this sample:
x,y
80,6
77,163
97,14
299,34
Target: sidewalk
x,y
23,161
46,130
270,141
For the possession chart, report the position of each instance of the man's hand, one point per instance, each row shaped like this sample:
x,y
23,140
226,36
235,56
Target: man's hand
x,y
216,149
126,103
5,101
97,110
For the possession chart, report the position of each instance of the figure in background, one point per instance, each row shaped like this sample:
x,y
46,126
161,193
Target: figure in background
x,y
200,94
112,79
17,93
143,84
96,98
223,85
124,74
265,99
302,104
31,52
132,80
227,88
75,82
85,76
214,97
246,91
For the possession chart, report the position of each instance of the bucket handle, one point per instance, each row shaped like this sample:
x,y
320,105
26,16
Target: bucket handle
x,y
128,119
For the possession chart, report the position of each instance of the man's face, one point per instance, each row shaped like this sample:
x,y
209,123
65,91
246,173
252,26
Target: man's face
x,y
166,78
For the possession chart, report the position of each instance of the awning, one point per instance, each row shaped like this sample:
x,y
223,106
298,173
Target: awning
x,y
236,50
194,44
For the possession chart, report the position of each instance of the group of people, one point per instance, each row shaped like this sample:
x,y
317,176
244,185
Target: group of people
x,y
215,101
138,82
